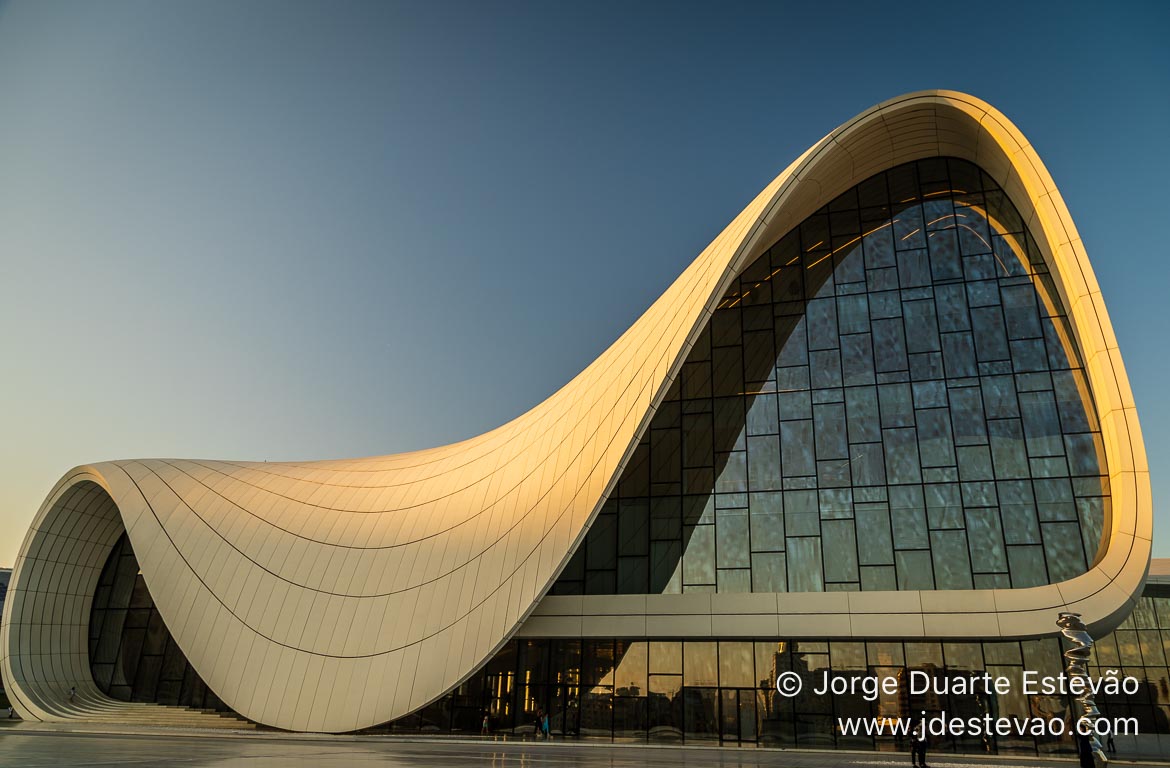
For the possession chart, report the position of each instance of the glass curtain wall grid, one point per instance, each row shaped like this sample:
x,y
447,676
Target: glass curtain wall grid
x,y
675,691
131,652
890,397
722,692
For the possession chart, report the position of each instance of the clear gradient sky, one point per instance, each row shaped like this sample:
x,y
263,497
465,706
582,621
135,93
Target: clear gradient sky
x,y
313,230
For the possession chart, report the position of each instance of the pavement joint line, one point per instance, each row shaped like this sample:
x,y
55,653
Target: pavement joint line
x,y
874,757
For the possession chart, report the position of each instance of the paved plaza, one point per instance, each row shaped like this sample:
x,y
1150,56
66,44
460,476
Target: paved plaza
x,y
33,747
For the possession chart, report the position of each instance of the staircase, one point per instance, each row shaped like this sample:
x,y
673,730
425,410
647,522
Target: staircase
x,y
161,716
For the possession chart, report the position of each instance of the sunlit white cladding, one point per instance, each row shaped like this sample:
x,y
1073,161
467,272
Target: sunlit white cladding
x,y
335,595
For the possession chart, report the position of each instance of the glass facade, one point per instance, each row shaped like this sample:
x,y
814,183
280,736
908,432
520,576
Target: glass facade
x,y
131,652
708,692
681,691
1140,648
887,398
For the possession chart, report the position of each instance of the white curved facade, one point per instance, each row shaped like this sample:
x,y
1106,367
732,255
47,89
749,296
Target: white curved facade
x,y
335,595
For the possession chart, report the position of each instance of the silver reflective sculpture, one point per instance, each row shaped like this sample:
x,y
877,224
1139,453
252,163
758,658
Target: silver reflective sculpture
x,y
1076,661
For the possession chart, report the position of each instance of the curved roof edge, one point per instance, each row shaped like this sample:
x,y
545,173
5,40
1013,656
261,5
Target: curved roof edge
x,y
335,595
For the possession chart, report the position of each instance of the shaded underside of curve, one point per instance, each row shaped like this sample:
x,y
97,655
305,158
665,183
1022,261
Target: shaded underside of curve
x,y
132,655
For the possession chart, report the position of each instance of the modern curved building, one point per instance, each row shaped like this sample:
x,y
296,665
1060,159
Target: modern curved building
x,y
881,422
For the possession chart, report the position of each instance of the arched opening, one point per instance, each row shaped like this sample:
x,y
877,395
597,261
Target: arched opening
x,y
132,655
44,638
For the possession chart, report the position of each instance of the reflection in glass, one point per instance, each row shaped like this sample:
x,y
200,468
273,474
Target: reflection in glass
x,y
132,654
723,692
906,339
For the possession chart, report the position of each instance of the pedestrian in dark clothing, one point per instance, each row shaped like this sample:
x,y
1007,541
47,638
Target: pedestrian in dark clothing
x,y
918,744
1085,751
1109,745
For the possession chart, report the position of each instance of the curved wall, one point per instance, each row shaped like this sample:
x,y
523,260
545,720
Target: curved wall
x,y
131,652
44,634
335,595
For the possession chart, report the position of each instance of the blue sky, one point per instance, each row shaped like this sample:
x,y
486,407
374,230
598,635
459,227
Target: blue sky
x,y
299,230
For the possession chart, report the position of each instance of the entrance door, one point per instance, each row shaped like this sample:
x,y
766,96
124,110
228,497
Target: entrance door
x,y
737,707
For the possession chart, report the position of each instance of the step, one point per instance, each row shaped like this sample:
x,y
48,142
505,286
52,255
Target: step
x,y
160,715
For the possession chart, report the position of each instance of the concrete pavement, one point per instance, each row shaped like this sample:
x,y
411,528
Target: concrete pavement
x,y
37,745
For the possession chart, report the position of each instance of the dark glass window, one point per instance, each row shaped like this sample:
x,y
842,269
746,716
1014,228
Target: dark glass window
x,y
885,399
723,692
131,652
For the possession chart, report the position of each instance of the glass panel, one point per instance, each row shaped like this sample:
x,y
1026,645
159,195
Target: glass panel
x,y
804,565
986,541
731,527
700,664
630,676
665,705
767,522
840,542
736,665
914,569
700,714
873,536
769,572
952,568
747,716
699,558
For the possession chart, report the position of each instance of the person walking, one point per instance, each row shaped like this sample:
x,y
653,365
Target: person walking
x,y
1085,751
72,693
483,729
918,743
1109,745
544,727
